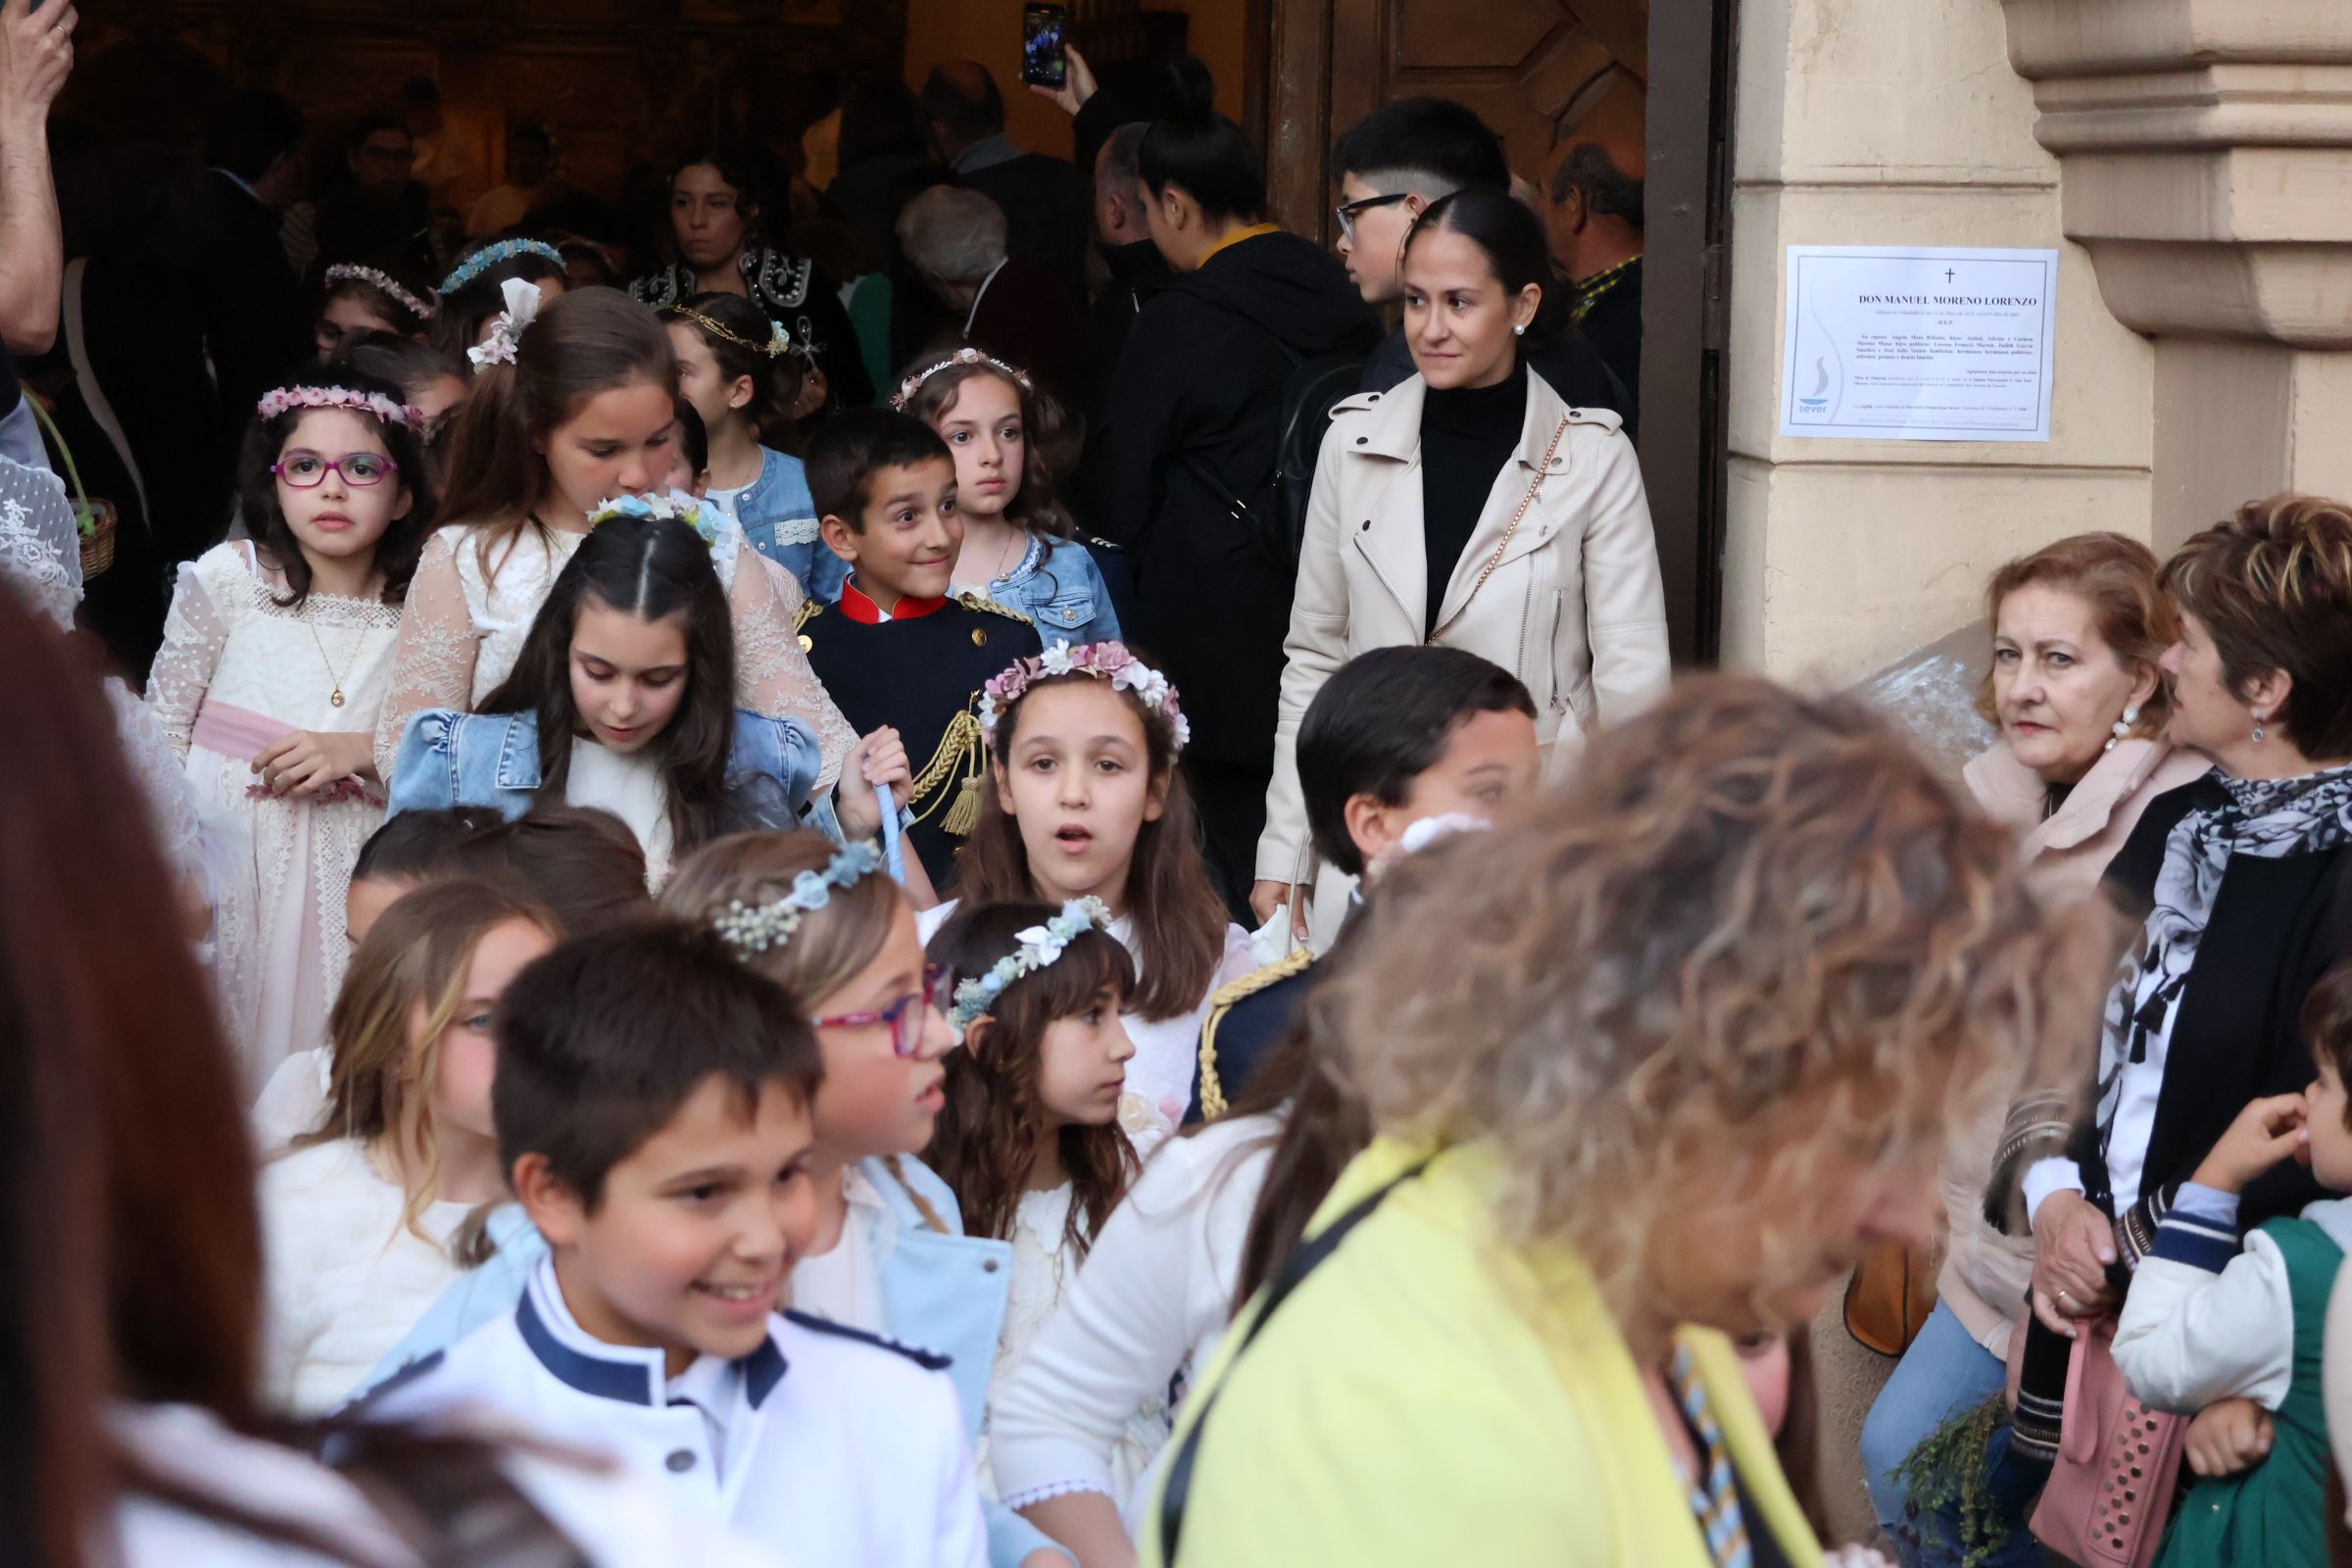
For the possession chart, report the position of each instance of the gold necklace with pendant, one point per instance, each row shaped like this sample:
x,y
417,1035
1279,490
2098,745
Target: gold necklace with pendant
x,y
338,697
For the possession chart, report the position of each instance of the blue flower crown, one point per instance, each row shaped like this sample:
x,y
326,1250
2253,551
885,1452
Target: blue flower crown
x,y
675,504
489,256
1040,946
751,928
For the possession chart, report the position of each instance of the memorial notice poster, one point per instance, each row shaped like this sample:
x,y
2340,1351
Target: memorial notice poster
x,y
1893,343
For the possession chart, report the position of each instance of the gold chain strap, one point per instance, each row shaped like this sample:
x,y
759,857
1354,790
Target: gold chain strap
x,y
1525,500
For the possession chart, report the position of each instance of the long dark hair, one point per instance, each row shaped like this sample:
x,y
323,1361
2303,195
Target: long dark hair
x,y
993,1126
1034,507
1176,914
584,342
1511,237
131,1248
775,377
457,324
1203,154
266,440
652,568
405,321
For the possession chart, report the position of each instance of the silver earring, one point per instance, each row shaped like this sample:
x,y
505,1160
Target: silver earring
x,y
2259,721
2123,726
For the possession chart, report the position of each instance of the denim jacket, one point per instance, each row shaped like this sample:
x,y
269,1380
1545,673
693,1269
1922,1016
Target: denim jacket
x,y
942,1291
451,759
1058,585
779,517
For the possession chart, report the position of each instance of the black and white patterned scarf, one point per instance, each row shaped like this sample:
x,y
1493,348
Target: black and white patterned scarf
x,y
2268,819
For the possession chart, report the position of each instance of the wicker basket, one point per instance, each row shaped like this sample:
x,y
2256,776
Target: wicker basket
x,y
95,521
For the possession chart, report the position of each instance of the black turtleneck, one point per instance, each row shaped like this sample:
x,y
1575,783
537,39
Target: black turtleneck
x,y
1467,435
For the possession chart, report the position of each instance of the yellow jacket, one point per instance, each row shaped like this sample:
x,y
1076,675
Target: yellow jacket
x,y
1433,1396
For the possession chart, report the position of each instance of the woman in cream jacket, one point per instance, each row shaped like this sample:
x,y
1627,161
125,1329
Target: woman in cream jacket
x,y
1470,507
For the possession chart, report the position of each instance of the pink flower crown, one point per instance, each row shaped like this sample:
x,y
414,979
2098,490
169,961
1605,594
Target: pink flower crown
x,y
1111,661
289,398
964,356
422,310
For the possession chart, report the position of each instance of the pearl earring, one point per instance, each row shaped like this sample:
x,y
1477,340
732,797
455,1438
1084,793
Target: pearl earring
x,y
2123,726
2260,720
1518,329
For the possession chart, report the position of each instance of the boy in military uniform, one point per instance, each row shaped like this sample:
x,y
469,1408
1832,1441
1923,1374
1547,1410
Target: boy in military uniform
x,y
898,651
1398,738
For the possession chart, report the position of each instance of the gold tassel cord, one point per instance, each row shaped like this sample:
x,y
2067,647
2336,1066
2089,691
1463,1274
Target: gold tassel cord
x,y
959,752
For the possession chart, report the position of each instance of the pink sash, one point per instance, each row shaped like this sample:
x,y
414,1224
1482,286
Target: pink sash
x,y
241,732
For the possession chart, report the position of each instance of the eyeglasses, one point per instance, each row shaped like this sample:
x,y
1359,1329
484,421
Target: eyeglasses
x,y
1345,212
904,1016
307,470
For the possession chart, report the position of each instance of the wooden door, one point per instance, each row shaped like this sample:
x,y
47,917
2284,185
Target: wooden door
x,y
1543,72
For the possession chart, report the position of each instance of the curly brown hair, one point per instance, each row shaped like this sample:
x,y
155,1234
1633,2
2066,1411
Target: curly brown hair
x,y
1045,431
2273,586
2117,577
1757,930
994,1126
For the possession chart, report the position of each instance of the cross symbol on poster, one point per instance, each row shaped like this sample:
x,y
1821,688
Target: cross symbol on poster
x,y
1949,274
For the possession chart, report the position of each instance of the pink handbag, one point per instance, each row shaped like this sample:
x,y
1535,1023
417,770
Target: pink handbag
x,y
2110,1490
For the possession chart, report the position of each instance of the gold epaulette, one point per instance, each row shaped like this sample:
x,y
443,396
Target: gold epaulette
x,y
981,601
1212,1088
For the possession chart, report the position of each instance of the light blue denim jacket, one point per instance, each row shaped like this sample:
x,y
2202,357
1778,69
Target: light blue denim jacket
x,y
779,515
450,758
1058,585
941,1291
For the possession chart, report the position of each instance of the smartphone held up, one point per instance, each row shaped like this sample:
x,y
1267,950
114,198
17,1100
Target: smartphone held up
x,y
1045,32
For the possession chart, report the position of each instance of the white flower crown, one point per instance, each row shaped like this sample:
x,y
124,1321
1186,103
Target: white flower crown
x,y
1040,946
1107,660
751,928
422,310
964,356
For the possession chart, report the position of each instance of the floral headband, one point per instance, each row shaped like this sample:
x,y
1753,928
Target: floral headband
x,y
422,310
751,928
1040,946
489,256
964,356
506,331
1111,661
676,506
778,344
286,399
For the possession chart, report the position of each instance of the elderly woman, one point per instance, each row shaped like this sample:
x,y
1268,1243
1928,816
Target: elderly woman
x,y
955,240
2240,875
1695,1042
2072,681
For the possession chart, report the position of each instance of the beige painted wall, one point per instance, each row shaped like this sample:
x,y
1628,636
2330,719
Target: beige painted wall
x,y
1901,122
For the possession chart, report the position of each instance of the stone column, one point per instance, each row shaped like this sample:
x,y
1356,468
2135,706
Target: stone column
x,y
1900,123
2205,149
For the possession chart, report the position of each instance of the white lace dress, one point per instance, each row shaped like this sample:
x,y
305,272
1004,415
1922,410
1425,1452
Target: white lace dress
x,y
466,621
235,666
1043,1262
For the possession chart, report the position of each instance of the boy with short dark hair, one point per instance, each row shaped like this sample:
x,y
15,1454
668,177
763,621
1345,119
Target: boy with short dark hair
x,y
653,1112
1395,738
898,651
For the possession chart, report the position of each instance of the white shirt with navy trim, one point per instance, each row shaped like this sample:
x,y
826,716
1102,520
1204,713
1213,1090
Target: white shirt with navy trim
x,y
834,1448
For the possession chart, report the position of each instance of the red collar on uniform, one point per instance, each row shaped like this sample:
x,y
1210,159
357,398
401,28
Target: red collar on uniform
x,y
864,611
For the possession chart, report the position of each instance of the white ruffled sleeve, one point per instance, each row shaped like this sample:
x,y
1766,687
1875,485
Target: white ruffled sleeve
x,y
434,658
772,675
194,634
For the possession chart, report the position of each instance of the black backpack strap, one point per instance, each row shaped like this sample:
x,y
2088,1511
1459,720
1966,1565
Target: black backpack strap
x,y
1302,1261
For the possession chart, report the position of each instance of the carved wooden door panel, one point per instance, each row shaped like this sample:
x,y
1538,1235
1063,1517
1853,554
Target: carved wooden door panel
x,y
1541,72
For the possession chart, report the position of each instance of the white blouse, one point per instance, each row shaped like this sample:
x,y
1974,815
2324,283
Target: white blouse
x,y
346,1277
629,785
1148,1308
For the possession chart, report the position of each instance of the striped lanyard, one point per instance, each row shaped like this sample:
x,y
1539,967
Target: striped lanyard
x,y
1715,1498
